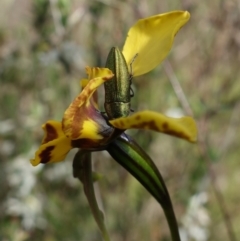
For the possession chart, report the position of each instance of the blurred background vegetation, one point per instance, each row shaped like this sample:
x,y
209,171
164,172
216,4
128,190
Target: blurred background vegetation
x,y
44,48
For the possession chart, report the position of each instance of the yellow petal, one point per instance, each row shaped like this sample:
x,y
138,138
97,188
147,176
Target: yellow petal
x,y
83,83
82,119
184,127
152,38
55,144
94,73
94,99
97,72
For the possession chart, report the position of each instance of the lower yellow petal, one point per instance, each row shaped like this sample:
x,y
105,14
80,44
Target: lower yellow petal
x,y
55,144
184,127
152,38
52,130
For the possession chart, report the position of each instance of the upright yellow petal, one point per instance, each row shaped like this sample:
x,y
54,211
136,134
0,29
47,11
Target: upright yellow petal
x,y
184,127
55,145
152,38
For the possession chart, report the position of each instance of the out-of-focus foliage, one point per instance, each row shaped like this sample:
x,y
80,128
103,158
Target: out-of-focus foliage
x,y
44,48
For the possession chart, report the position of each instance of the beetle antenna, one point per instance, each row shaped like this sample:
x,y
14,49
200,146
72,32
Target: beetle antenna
x,y
131,75
131,63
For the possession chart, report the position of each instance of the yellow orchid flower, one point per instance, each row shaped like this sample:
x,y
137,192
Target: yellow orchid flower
x,y
84,126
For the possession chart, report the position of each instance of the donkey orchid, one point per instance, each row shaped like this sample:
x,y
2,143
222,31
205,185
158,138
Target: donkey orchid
x,y
84,126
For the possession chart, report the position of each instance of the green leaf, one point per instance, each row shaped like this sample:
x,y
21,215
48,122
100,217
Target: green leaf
x,y
131,156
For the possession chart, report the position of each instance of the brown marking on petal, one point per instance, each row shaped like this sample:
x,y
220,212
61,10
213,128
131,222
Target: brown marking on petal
x,y
143,125
116,125
80,110
88,92
137,117
177,134
152,126
77,123
51,133
121,123
147,125
165,126
74,113
45,155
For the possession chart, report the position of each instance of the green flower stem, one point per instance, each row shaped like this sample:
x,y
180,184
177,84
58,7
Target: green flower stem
x,y
131,156
82,169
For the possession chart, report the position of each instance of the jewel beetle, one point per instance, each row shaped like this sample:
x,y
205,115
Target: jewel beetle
x,y
118,90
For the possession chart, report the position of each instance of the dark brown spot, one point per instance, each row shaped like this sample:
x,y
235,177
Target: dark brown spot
x,y
147,125
177,134
165,126
121,123
151,125
51,133
137,117
45,155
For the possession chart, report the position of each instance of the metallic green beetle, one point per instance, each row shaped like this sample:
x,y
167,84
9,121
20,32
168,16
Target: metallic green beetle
x,y
118,89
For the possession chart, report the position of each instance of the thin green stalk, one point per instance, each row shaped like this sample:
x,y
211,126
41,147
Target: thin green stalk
x,y
82,169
